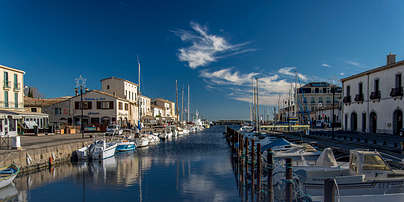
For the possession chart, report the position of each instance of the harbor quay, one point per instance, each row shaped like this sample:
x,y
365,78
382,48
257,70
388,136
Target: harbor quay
x,y
37,152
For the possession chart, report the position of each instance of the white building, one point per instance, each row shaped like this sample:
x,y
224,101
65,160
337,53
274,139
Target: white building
x,y
316,96
167,106
373,100
145,106
99,109
126,90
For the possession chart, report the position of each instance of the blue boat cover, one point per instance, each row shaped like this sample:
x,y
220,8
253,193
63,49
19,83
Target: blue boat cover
x,y
276,143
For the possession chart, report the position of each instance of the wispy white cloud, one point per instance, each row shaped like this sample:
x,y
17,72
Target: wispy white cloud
x,y
291,71
325,65
237,85
206,48
354,63
342,74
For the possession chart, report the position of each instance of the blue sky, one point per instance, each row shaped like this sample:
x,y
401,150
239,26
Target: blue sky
x,y
215,46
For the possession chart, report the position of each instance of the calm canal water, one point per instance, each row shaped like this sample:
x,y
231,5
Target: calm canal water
x,y
190,168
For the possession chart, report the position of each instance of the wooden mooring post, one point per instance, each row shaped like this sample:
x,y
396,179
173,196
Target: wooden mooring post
x,y
259,171
270,166
289,178
252,170
329,190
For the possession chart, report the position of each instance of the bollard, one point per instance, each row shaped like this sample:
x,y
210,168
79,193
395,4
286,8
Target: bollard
x,y
329,190
270,171
289,177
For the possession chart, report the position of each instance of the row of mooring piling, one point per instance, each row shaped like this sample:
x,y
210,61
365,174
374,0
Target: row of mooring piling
x,y
248,166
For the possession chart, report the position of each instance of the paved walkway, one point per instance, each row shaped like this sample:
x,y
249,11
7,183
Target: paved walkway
x,y
33,142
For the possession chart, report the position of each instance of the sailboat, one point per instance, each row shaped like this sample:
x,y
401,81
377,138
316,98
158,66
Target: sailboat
x,y
7,175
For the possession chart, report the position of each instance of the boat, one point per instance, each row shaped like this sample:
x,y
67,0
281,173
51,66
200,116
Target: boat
x,y
7,175
125,146
143,141
365,174
102,151
153,138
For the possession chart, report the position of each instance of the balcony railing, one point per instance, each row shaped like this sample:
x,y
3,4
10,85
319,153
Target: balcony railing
x,y
17,86
359,98
347,99
7,84
396,92
375,95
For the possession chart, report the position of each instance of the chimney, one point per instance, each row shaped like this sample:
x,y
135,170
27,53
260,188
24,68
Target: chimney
x,y
391,59
76,91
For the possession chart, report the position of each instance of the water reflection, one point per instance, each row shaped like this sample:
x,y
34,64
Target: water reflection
x,y
190,168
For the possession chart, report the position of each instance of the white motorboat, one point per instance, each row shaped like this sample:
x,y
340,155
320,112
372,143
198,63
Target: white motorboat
x,y
365,174
186,131
142,142
153,138
102,151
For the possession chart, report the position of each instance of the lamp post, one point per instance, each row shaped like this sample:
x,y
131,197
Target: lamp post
x,y
81,83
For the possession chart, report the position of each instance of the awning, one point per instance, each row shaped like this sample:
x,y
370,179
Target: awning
x,y
30,124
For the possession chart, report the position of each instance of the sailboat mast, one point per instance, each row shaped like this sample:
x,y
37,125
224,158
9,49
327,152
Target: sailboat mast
x,y
138,93
188,104
182,103
176,99
258,112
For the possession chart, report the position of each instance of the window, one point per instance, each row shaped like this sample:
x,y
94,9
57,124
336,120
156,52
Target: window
x,y
107,87
377,85
320,100
328,100
348,91
33,109
316,90
6,99
120,106
360,87
126,106
16,100
304,100
6,84
324,90
313,100
105,104
398,80
86,105
15,81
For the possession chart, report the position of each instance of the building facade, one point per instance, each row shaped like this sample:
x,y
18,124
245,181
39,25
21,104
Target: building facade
x,y
145,106
316,96
12,94
126,90
373,99
100,109
167,106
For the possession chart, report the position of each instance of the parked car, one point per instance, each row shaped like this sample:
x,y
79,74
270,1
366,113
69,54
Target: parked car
x,y
114,130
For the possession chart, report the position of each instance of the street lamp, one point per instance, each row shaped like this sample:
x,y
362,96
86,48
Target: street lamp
x,y
81,83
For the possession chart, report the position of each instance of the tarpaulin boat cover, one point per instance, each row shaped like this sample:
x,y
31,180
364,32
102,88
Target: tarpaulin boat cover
x,y
326,158
30,124
276,143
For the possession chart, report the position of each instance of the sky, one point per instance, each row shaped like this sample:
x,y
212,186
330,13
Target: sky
x,y
217,47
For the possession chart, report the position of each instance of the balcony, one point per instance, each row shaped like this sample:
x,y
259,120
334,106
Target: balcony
x,y
375,95
395,92
7,84
347,99
359,98
17,86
